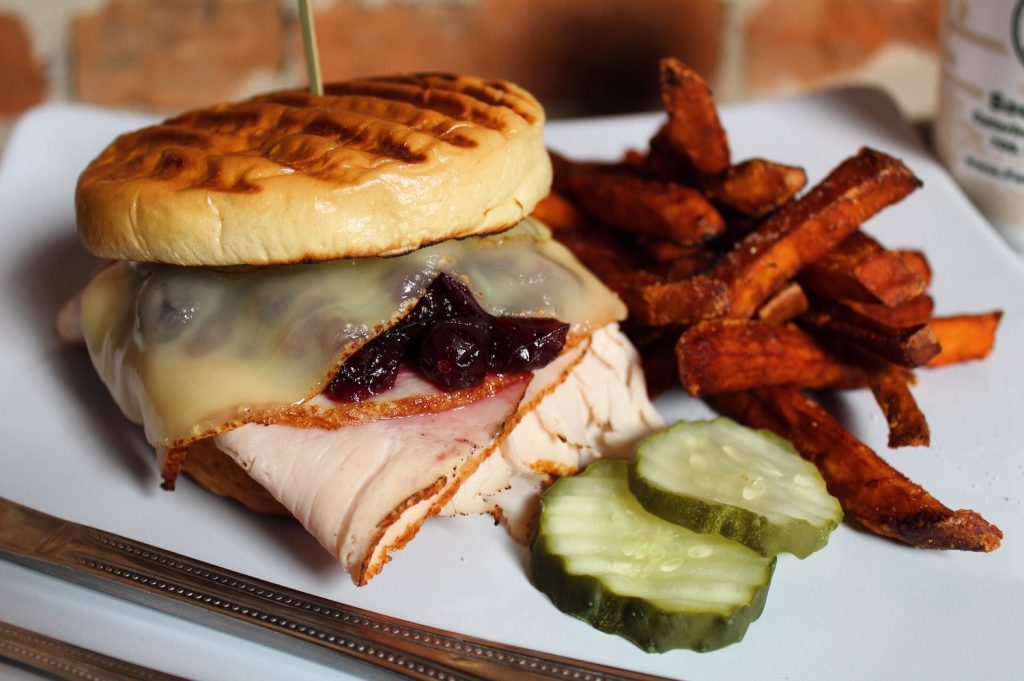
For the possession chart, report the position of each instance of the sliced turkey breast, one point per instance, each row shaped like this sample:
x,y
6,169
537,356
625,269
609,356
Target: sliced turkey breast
x,y
364,489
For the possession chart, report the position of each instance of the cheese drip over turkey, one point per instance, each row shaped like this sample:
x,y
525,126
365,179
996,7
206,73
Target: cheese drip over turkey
x,y
225,369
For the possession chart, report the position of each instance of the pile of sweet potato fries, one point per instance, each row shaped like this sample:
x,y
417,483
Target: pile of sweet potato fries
x,y
752,294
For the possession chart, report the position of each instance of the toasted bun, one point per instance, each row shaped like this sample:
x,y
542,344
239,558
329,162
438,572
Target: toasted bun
x,y
376,166
216,472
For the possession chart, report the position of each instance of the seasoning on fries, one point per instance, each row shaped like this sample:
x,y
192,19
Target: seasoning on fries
x,y
964,337
917,310
860,269
881,498
803,230
725,355
693,130
750,293
641,205
890,385
754,188
788,303
908,346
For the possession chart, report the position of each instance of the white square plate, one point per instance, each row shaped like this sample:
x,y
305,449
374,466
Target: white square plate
x,y
862,608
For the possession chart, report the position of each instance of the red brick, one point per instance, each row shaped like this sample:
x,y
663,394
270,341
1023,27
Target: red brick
x,y
811,40
170,55
577,56
354,40
22,82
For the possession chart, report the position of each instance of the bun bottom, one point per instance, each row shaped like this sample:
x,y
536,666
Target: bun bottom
x,y
216,472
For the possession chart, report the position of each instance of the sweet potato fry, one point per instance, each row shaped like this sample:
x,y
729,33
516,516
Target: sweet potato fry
x,y
605,252
917,310
693,130
965,337
627,201
860,269
890,386
559,213
804,230
634,158
656,345
662,161
672,261
755,187
654,302
784,305
907,346
834,307
917,263
663,251
874,493
907,424
684,268
724,355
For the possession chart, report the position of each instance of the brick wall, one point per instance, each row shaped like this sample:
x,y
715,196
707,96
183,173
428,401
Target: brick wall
x,y
579,56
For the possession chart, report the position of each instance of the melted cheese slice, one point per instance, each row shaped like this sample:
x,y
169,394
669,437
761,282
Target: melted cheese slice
x,y
191,352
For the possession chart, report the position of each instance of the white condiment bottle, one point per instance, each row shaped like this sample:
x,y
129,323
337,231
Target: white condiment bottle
x,y
979,131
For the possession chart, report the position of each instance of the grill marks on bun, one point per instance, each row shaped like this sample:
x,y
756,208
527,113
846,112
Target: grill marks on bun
x,y
479,102
348,117
468,149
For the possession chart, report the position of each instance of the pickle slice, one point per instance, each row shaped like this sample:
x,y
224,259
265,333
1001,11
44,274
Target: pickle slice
x,y
601,557
749,485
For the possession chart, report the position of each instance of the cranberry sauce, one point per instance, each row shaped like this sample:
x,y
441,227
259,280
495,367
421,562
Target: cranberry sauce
x,y
454,353
525,343
453,341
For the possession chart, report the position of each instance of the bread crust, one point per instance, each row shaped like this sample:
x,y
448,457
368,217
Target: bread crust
x,y
376,166
216,472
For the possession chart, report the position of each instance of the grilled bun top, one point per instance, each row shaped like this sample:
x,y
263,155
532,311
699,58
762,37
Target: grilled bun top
x,y
375,166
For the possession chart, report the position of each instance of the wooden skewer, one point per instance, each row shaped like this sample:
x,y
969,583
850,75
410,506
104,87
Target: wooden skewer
x,y
316,81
